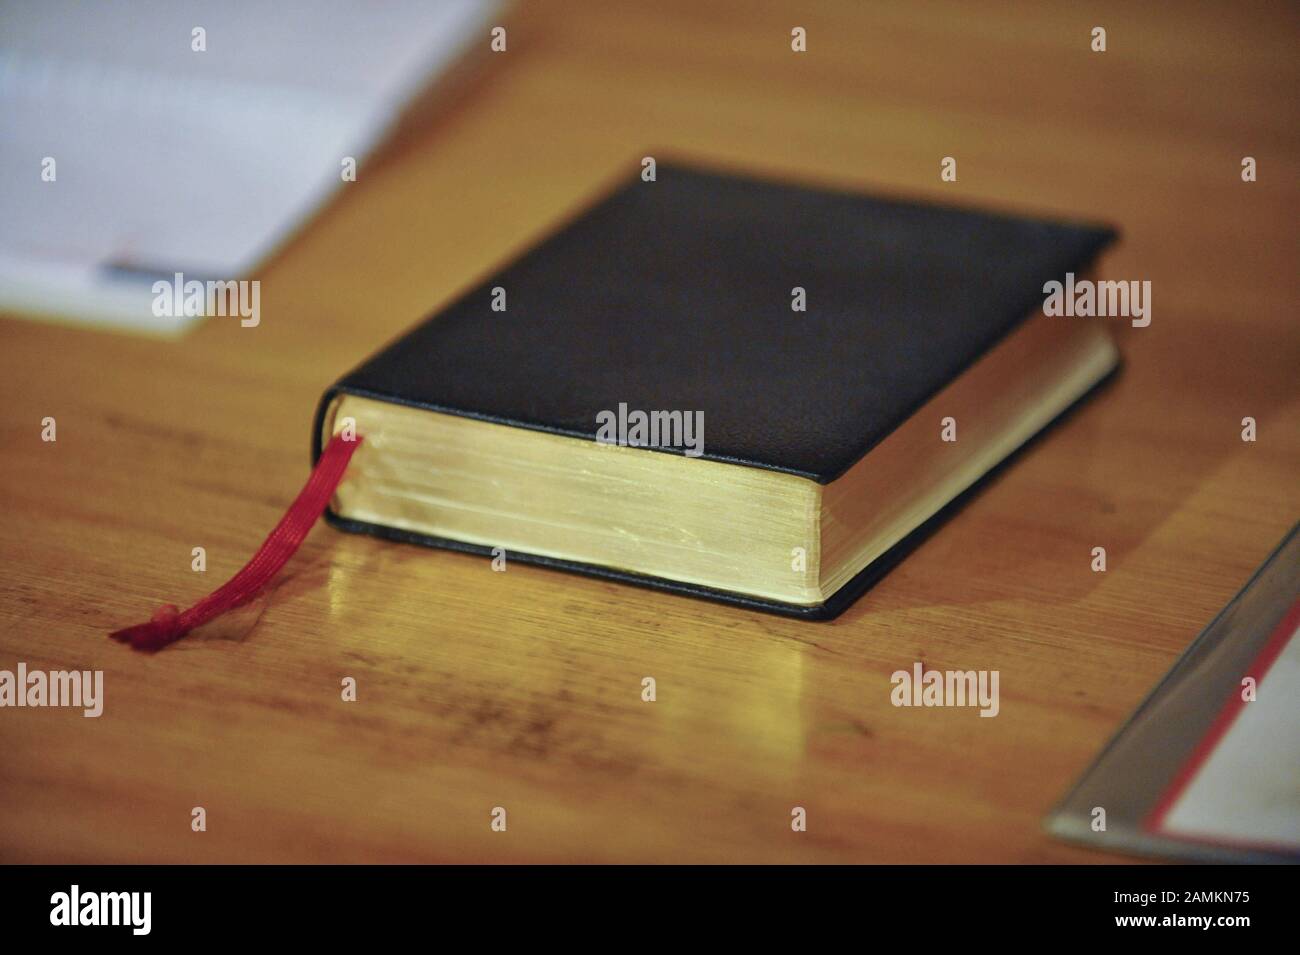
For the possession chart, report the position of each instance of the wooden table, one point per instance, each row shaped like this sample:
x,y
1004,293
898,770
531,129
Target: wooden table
x,y
523,689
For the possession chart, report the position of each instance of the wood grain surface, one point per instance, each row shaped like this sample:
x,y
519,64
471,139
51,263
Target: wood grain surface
x,y
523,689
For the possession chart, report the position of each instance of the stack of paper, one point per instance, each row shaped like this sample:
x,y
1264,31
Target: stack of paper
x,y
141,139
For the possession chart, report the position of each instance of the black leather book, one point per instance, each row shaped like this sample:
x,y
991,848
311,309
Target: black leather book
x,y
732,388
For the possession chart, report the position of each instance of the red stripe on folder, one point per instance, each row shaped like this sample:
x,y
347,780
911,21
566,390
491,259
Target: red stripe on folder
x,y
169,624
1258,668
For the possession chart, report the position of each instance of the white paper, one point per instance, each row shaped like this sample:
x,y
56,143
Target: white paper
x,y
170,160
1248,790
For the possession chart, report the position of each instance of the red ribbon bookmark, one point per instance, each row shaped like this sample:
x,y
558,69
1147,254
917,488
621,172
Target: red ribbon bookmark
x,y
169,624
